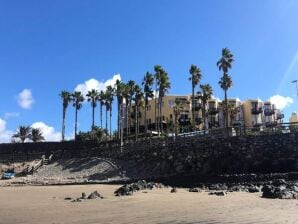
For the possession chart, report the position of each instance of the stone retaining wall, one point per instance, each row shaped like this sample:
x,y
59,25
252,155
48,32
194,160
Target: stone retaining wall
x,y
202,156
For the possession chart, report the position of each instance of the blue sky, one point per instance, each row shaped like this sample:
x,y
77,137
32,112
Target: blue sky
x,y
48,46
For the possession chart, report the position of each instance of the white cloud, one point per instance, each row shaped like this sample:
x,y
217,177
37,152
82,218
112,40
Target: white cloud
x,y
281,102
95,84
48,132
25,99
12,114
5,135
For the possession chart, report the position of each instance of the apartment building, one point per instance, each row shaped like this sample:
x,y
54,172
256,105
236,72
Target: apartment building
x,y
251,113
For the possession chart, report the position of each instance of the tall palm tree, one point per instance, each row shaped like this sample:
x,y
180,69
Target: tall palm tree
x,y
77,99
148,93
23,132
158,71
224,64
195,78
178,108
110,98
206,93
66,99
101,98
138,102
131,86
93,96
119,88
164,86
36,135
126,96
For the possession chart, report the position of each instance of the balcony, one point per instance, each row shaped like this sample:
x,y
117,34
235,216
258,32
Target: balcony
x,y
269,112
270,124
280,116
184,121
256,110
197,107
213,111
236,123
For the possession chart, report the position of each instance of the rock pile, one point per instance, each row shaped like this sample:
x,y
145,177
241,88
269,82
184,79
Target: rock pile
x,y
129,189
280,189
93,195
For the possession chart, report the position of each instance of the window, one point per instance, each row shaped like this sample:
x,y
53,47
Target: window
x,y
163,118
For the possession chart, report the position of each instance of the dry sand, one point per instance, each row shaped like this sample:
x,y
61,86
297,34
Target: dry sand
x,y
46,204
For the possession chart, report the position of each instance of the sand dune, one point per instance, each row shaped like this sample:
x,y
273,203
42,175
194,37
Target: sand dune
x,y
35,204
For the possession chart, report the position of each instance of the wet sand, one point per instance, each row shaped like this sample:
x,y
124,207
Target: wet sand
x,y
46,204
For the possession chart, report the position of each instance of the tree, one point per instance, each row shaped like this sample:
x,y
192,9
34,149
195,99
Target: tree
x,y
119,88
93,96
101,98
138,102
195,78
158,70
206,93
164,86
131,86
77,99
224,64
148,93
66,99
23,132
126,96
36,135
178,108
110,98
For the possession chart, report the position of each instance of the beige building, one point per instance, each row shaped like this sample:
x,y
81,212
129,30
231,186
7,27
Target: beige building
x,y
293,118
251,113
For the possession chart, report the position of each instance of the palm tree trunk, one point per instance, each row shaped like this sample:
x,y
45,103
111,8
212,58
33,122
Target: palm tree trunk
x,y
63,123
127,122
110,121
136,121
226,110
107,123
155,118
192,108
118,126
161,120
93,116
76,123
145,118
100,115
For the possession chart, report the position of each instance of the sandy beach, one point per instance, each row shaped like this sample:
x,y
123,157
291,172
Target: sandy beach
x,y
46,204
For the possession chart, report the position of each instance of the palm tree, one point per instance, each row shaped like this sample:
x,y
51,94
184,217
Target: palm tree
x,y
131,86
206,93
93,96
110,98
119,88
164,86
23,132
36,135
126,96
101,98
178,108
224,64
158,70
195,78
138,102
78,99
148,93
66,99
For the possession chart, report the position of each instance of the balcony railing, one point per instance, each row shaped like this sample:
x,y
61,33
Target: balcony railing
x,y
269,112
197,106
256,110
184,121
213,111
198,120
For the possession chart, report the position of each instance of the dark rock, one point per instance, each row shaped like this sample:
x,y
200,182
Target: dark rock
x,y
174,190
218,193
94,195
67,198
83,195
194,190
253,189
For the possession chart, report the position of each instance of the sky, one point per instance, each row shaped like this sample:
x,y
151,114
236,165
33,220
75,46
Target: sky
x,y
53,45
